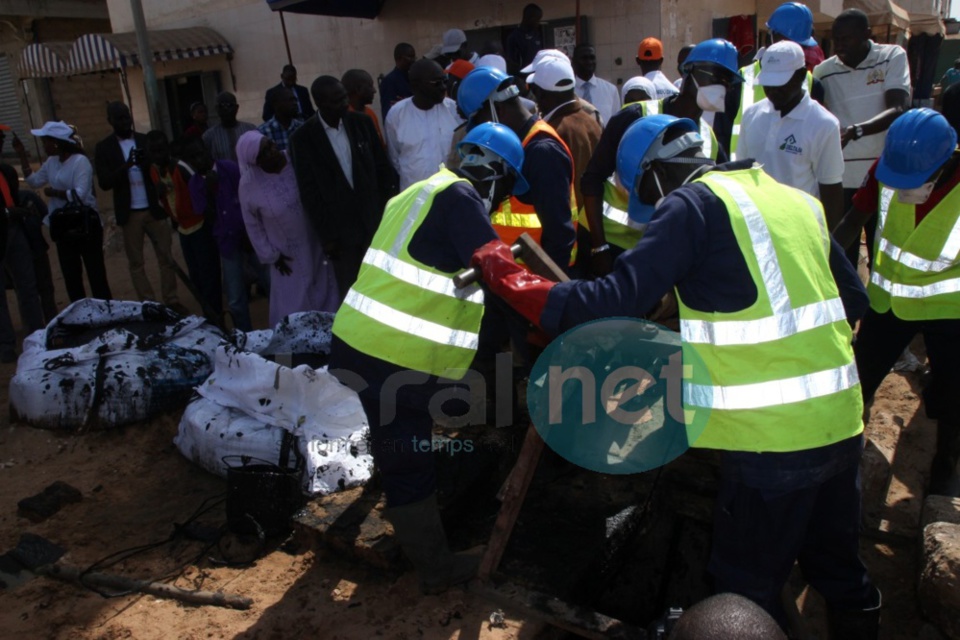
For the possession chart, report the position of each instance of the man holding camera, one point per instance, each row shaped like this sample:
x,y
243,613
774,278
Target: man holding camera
x,y
122,166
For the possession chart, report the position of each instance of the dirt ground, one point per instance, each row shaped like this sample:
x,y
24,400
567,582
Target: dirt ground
x,y
135,486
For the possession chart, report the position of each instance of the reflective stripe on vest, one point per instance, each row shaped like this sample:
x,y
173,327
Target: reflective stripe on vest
x,y
412,274
618,228
751,92
780,374
916,268
403,311
773,392
785,320
514,218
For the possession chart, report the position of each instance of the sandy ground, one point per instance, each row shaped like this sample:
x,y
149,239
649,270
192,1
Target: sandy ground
x,y
136,486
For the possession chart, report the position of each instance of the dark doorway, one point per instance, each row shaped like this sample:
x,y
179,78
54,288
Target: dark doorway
x,y
182,91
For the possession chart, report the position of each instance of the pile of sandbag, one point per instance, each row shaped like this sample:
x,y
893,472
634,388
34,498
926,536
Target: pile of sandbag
x,y
102,364
249,402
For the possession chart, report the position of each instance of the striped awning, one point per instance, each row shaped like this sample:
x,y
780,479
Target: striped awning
x,y
106,51
45,60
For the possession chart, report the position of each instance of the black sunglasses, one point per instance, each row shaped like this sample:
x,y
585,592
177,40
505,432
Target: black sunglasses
x,y
714,77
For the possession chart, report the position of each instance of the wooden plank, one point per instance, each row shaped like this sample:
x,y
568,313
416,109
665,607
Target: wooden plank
x,y
512,495
538,261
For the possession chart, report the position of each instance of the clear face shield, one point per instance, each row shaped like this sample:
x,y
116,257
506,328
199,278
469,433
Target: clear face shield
x,y
668,154
490,174
502,95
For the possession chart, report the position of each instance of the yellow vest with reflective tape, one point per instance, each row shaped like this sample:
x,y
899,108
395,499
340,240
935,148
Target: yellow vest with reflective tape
x,y
402,311
779,375
752,93
618,229
916,268
514,218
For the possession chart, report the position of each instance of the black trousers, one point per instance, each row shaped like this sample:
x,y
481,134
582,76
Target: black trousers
x,y
884,336
75,254
763,522
870,228
346,267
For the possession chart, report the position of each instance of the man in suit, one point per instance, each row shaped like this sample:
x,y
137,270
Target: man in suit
x,y
288,79
123,165
344,175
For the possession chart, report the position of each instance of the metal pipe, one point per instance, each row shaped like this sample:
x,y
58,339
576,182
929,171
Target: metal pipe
x,y
146,63
286,41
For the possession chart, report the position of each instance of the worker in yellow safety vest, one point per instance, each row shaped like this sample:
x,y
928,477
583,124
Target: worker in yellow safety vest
x,y
914,190
708,72
790,21
766,304
404,332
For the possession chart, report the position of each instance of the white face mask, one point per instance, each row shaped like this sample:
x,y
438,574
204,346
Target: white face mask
x,y
692,175
916,196
711,97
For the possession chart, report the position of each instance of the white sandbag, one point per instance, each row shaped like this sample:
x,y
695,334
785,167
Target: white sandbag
x,y
326,417
209,433
301,332
119,362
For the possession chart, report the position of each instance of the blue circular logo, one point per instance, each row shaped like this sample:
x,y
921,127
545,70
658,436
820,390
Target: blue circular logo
x,y
608,395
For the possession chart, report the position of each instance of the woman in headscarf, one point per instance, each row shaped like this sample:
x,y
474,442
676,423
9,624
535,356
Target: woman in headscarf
x,y
279,230
68,177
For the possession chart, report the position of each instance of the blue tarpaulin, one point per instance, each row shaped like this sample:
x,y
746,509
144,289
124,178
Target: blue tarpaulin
x,y
341,8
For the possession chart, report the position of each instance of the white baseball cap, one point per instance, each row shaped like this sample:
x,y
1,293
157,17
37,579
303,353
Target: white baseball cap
x,y
492,60
544,53
638,82
553,74
59,130
780,61
452,39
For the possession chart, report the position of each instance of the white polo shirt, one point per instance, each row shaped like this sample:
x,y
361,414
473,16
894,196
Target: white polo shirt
x,y
601,94
856,95
801,149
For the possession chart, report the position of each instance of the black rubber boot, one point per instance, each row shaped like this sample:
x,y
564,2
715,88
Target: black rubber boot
x,y
944,475
420,532
857,624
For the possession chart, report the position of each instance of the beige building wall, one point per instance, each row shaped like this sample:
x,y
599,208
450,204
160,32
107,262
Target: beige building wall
x,y
691,21
322,45
80,100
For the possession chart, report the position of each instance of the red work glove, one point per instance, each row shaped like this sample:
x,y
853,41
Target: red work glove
x,y
524,291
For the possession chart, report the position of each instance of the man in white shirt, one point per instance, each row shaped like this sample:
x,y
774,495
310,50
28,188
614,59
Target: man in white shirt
x,y
650,59
419,129
597,91
795,139
866,86
123,166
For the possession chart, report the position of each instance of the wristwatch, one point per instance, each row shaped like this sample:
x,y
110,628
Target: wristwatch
x,y
857,131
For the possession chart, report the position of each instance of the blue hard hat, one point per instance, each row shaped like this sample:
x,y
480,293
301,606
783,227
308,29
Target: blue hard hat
x,y
794,21
477,87
642,143
918,143
717,51
502,141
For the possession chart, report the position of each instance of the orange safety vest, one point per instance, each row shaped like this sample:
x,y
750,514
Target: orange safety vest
x,y
513,218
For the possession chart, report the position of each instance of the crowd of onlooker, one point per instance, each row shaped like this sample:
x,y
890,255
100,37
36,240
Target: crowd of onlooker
x,y
289,206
